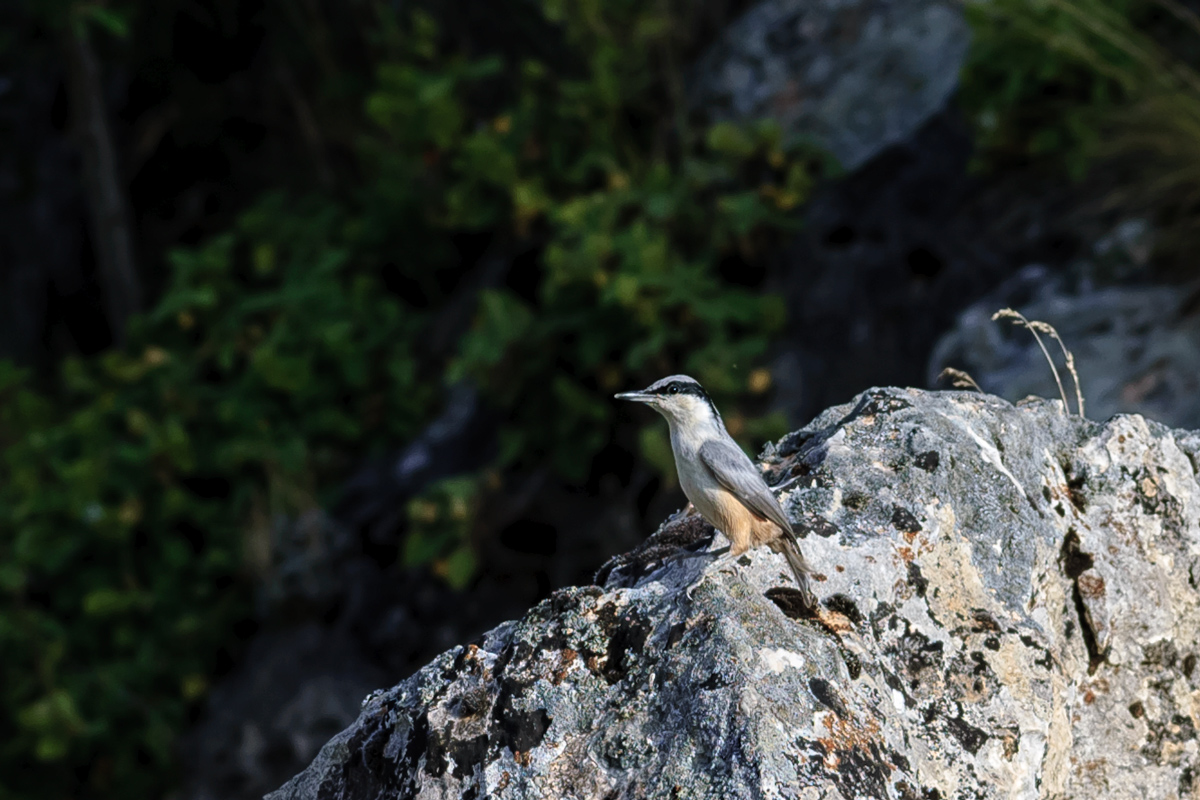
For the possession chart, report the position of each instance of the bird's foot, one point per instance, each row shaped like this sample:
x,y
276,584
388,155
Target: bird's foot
x,y
689,554
689,590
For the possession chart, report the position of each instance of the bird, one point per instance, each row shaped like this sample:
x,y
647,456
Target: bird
x,y
718,477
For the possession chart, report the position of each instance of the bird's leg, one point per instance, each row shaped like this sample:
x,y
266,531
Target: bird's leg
x,y
685,555
702,553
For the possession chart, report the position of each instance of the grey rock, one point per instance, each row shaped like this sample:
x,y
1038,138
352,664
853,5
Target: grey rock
x,y
1136,348
1009,611
855,75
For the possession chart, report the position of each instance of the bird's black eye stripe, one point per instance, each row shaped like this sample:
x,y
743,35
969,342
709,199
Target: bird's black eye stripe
x,y
679,387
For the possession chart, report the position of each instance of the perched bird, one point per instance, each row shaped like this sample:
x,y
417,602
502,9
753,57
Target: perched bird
x,y
720,480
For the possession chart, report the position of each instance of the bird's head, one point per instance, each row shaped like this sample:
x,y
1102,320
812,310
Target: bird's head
x,y
682,400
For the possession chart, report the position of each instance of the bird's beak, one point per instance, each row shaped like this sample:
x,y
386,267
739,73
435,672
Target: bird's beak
x,y
637,397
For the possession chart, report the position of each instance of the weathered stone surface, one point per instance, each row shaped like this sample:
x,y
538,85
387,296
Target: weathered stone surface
x,y
855,75
1010,611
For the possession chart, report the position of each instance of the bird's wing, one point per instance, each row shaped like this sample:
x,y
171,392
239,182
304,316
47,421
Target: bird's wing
x,y
733,470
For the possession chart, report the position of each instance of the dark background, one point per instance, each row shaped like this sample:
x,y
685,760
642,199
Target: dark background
x,y
311,314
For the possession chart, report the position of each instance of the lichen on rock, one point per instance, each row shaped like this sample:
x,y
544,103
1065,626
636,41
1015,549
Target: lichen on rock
x,y
1009,609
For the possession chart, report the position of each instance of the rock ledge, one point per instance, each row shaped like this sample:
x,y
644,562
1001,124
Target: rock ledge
x,y
1010,611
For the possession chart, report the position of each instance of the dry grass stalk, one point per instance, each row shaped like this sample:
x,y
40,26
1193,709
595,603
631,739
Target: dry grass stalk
x,y
1034,327
1068,357
961,380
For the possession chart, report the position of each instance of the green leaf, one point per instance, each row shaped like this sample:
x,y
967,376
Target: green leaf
x,y
106,602
12,578
284,373
729,138
460,567
112,21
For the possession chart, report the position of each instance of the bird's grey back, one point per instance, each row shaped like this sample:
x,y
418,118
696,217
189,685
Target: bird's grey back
x,y
734,470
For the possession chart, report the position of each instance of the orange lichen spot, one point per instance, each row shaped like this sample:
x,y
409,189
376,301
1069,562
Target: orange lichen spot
x,y
1091,585
834,621
846,734
566,660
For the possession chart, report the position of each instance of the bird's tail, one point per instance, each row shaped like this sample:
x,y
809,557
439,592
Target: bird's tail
x,y
800,568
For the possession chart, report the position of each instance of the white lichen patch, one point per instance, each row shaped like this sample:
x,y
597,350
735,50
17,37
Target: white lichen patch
x,y
778,660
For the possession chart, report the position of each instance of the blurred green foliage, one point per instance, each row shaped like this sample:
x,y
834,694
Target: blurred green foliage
x,y
1041,74
1111,83
136,492
129,502
439,531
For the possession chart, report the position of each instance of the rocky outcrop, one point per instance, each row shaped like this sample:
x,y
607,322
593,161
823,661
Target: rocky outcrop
x,y
1009,609
854,75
